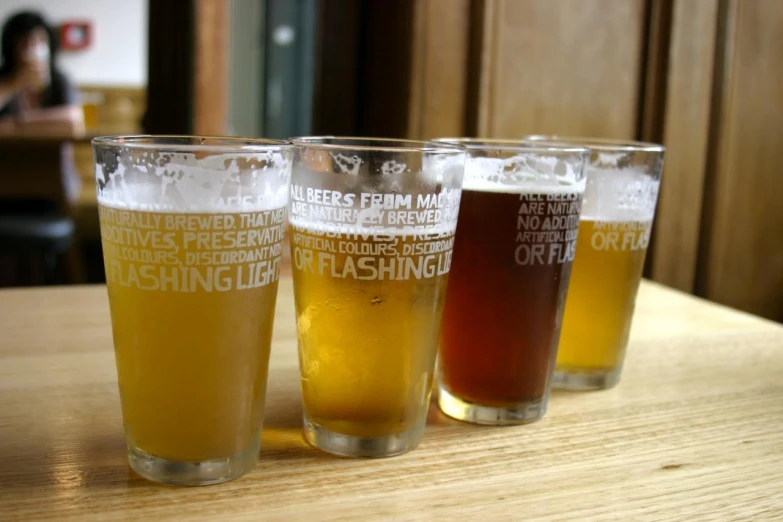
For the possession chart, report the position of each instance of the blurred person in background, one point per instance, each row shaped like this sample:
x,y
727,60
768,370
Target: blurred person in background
x,y
35,96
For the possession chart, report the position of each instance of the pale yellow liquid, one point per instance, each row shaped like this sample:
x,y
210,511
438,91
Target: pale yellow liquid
x,y
192,366
91,113
367,348
601,295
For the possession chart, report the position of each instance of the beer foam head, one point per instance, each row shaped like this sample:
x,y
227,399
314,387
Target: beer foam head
x,y
368,164
322,228
620,194
524,172
623,176
150,179
446,170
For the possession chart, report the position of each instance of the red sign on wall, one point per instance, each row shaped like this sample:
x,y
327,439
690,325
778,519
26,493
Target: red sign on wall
x,y
75,36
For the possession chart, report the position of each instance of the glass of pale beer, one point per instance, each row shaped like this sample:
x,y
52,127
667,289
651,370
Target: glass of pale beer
x,y
515,242
623,178
372,227
192,231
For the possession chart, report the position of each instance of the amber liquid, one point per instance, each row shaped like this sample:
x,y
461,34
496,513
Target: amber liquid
x,y
501,321
601,298
367,344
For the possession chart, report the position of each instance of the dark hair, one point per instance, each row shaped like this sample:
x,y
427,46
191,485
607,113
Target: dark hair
x,y
17,27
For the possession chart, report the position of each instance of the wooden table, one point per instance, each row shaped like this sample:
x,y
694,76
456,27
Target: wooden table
x,y
694,429
39,157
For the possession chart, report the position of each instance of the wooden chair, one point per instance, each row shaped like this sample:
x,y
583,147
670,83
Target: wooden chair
x,y
36,217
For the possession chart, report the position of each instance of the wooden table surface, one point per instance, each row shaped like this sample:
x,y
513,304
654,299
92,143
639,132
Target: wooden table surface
x,y
695,429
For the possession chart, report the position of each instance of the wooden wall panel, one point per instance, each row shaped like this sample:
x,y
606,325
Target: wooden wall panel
x,y
335,92
211,68
439,64
656,69
569,67
685,134
384,68
742,239
170,68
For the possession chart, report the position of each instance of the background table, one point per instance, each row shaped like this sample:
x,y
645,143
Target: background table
x,y
694,428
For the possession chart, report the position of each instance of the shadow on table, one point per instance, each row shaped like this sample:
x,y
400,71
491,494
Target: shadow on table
x,y
73,463
66,464
283,440
282,436
70,459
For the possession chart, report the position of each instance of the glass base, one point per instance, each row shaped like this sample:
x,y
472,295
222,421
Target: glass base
x,y
585,380
351,446
490,415
192,473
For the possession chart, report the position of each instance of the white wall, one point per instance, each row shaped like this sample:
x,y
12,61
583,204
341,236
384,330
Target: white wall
x,y
117,55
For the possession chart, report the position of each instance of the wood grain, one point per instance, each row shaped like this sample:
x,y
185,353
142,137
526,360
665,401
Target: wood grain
x,y
171,67
210,88
741,262
694,430
383,67
335,78
439,63
570,67
686,136
655,69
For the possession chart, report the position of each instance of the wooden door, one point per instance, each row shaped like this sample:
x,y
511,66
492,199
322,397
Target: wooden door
x,y
685,108
570,67
701,76
741,256
505,68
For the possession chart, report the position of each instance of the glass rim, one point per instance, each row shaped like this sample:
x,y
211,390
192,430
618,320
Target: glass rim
x,y
348,143
192,143
500,144
599,144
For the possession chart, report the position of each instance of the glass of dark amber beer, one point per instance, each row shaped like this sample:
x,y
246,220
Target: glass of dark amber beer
x,y
372,231
515,242
623,178
192,231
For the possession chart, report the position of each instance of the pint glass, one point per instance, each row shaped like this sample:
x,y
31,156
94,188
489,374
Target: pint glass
x,y
515,242
623,178
192,231
372,232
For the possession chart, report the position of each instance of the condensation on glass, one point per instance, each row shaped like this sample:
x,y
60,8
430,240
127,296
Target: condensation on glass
x,y
372,235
